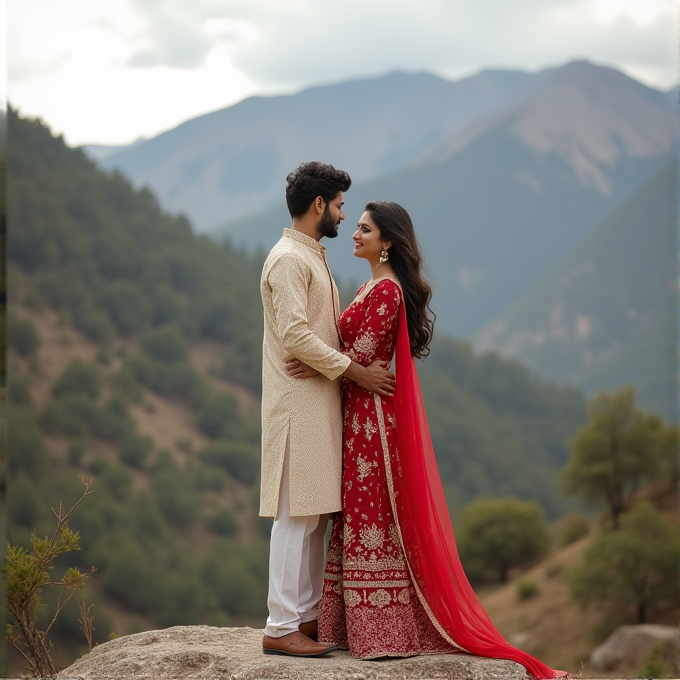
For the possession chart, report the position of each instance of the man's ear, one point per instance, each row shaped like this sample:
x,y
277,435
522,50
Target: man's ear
x,y
319,205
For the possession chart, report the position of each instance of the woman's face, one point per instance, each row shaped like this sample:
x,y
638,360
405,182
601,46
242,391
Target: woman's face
x,y
367,241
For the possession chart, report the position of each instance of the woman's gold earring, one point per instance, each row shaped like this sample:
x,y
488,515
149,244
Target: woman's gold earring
x,y
384,256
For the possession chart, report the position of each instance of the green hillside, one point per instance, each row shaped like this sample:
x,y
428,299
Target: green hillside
x,y
606,316
135,359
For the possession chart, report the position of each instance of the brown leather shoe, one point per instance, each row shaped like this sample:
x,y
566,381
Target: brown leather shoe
x,y
310,629
294,644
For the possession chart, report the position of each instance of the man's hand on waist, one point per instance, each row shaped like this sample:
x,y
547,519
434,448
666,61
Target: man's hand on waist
x,y
375,377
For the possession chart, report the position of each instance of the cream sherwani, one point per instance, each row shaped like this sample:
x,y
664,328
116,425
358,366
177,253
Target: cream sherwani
x,y
300,319
301,425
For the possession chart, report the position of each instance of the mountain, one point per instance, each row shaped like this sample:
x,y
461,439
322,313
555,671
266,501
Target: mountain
x,y
606,315
233,162
98,152
498,204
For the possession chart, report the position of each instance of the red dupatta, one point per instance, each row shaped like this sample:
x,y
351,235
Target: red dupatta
x,y
427,534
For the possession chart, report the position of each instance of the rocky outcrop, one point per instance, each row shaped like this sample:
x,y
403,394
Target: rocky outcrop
x,y
628,647
204,652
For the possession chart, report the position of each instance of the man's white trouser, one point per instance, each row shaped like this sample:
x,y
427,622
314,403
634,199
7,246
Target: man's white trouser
x,y
296,563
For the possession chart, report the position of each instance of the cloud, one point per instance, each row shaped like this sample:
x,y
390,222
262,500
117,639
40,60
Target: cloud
x,y
312,42
181,34
112,71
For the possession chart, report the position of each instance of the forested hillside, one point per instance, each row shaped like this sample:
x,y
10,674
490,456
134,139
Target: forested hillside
x,y
135,359
606,315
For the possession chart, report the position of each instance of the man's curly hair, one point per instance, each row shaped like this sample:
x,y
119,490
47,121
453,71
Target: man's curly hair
x,y
311,180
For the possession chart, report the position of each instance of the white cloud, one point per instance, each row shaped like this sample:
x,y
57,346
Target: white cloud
x,y
112,71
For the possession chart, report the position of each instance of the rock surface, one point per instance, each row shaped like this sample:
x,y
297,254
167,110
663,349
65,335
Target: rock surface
x,y
203,652
627,648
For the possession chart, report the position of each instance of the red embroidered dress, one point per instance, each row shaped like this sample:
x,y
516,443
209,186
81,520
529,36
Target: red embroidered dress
x,y
369,604
394,584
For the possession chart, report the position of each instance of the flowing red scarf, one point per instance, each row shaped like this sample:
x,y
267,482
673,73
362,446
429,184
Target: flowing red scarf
x,y
426,530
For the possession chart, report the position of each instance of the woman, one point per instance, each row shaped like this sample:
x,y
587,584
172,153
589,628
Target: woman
x,y
393,584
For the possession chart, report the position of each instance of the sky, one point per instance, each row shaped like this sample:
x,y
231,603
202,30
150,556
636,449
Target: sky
x,y
113,71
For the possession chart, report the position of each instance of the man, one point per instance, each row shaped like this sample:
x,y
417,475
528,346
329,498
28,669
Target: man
x,y
302,419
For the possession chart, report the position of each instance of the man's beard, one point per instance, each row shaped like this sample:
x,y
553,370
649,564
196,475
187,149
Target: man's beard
x,y
327,225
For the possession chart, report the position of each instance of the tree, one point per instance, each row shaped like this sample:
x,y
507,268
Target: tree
x,y
166,344
22,335
499,534
634,566
619,449
219,416
79,377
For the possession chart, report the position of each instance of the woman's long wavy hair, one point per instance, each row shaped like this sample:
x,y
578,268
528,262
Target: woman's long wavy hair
x,y
404,255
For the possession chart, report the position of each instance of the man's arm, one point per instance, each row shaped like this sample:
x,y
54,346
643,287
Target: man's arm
x,y
375,377
288,281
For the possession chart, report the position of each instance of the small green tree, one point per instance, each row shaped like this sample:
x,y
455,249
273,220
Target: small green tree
x,y
619,449
28,572
79,377
498,534
635,566
166,344
22,336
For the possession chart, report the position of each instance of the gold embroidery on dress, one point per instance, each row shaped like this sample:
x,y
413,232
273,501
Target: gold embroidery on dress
x,y
352,598
403,583
394,535
382,309
364,467
372,537
380,598
369,428
347,534
373,563
390,488
404,596
355,423
365,344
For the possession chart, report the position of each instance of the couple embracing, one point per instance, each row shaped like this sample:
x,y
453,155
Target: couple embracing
x,y
342,439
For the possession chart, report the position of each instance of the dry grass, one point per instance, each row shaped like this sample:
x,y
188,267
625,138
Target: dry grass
x,y
547,625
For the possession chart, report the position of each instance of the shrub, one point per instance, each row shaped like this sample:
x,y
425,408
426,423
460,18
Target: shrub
x,y
166,344
553,570
177,381
25,447
72,415
526,588
219,416
232,579
79,377
177,501
95,325
241,460
574,527
497,535
22,336
118,481
662,661
75,452
23,501
223,522
126,307
134,449
19,389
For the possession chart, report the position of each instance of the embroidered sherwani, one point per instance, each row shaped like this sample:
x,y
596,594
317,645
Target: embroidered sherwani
x,y
301,311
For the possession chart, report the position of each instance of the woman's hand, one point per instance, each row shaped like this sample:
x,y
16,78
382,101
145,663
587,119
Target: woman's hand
x,y
297,369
